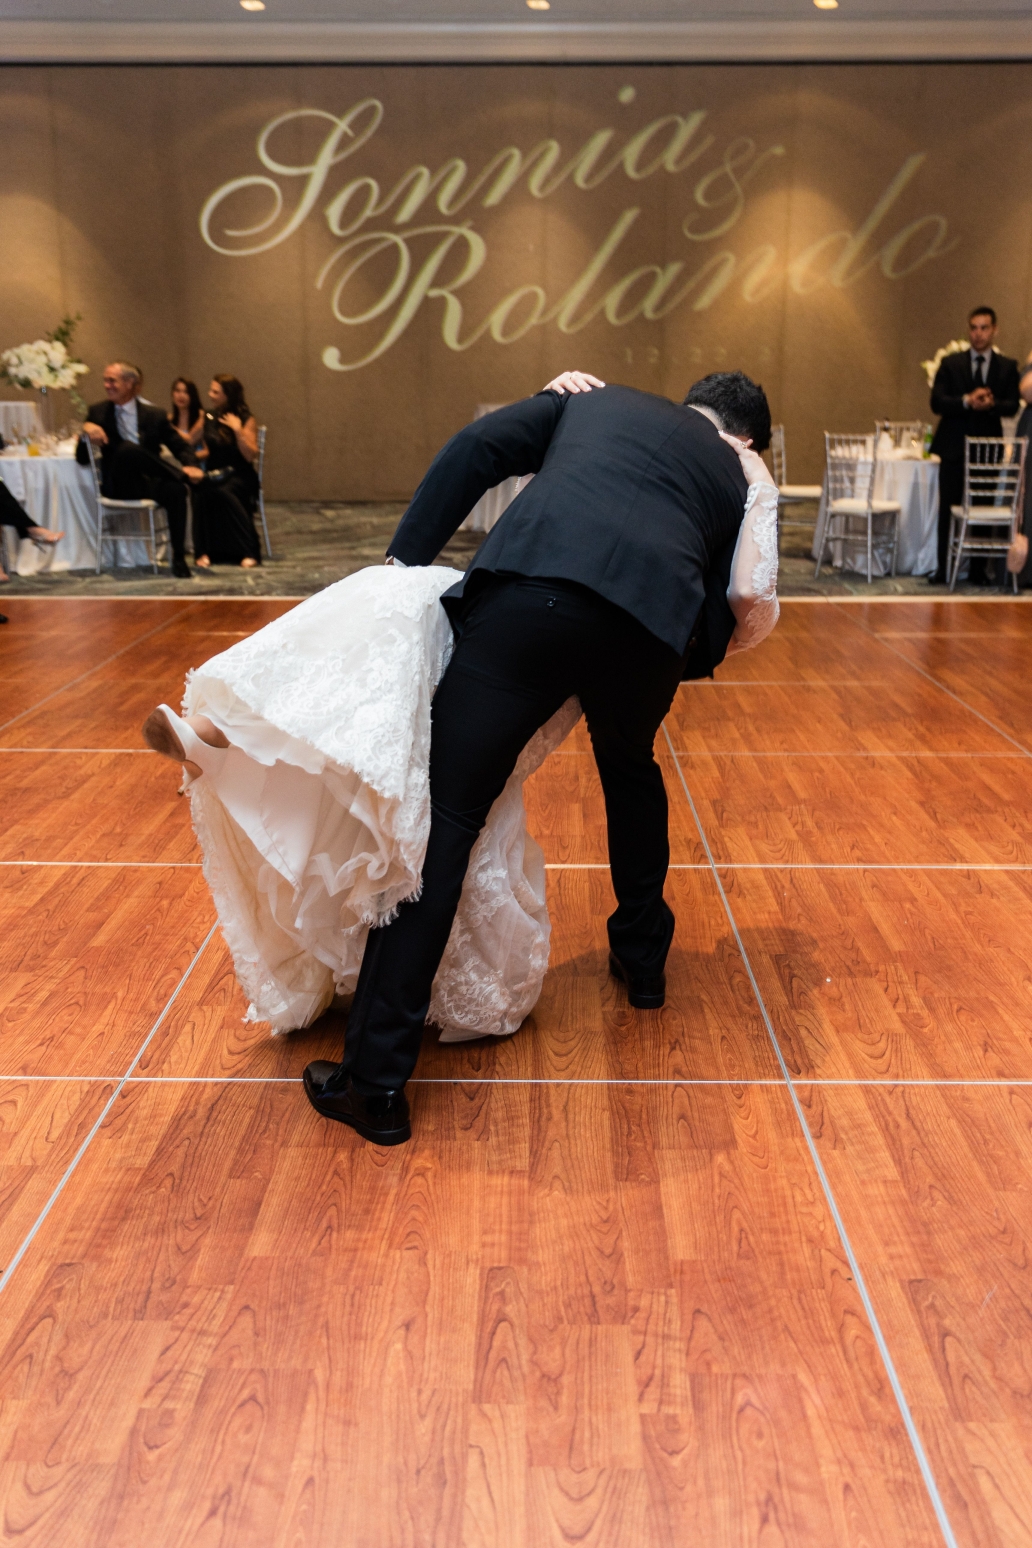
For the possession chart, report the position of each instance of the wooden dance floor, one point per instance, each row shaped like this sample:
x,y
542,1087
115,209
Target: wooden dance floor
x,y
752,1270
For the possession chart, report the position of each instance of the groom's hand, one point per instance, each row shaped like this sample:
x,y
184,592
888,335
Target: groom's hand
x,y
573,381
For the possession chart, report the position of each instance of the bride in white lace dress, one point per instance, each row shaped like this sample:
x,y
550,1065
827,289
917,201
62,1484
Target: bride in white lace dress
x,y
306,756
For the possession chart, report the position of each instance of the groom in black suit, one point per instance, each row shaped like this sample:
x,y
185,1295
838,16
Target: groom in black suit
x,y
606,578
973,391
127,436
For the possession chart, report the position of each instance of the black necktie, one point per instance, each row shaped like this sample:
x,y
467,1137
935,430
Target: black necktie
x,y
980,371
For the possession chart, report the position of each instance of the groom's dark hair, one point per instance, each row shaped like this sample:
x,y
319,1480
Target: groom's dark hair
x,y
739,404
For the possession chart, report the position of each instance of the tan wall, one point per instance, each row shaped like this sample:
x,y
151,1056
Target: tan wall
x,y
822,227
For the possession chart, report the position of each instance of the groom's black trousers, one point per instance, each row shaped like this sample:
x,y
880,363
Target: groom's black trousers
x,y
525,646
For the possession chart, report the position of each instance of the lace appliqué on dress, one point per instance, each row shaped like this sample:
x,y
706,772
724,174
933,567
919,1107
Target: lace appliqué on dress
x,y
756,557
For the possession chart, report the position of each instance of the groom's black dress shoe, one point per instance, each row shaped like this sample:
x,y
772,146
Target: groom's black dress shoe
x,y
643,991
383,1119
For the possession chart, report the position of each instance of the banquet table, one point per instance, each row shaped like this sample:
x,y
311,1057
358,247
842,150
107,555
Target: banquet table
x,y
913,482
491,505
56,492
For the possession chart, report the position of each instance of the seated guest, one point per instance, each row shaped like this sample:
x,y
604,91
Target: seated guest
x,y
187,414
12,515
128,434
224,503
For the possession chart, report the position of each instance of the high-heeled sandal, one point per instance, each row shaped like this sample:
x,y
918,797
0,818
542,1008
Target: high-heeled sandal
x,y
43,544
167,733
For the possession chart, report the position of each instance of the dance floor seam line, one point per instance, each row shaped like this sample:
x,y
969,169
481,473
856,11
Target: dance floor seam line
x,y
859,1279
764,865
737,752
125,865
134,752
184,611
890,1082
120,1083
594,865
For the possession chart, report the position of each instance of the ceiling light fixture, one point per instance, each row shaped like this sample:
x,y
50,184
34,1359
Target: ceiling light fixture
x,y
253,5
826,5
540,5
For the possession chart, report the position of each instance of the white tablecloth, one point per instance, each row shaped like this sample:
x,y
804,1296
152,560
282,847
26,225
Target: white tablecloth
x,y
914,484
56,492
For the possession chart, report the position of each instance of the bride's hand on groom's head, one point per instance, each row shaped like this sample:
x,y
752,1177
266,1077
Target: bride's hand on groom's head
x,y
572,381
753,465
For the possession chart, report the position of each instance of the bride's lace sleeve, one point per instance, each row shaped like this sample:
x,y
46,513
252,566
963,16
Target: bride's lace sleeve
x,y
754,570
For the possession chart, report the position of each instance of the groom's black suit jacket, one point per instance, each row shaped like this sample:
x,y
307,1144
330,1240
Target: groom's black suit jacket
x,y
635,497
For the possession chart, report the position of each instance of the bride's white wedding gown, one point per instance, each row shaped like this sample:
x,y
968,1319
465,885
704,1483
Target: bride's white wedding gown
x,y
313,822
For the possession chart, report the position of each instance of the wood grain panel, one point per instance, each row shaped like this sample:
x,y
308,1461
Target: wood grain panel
x,y
88,960
93,806
566,810
42,1125
50,642
935,1188
107,709
937,617
882,975
814,642
864,810
908,715
980,652
581,1029
81,632
990,675
314,1366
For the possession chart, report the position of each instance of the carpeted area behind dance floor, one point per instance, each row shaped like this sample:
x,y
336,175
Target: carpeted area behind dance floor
x,y
315,544
752,1269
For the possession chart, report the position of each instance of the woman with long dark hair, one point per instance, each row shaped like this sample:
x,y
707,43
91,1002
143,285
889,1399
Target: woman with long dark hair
x,y
224,501
187,413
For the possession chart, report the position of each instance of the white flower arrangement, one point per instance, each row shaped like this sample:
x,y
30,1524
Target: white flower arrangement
x,y
954,347
45,363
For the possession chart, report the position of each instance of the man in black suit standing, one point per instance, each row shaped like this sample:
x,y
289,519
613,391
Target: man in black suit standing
x,y
972,392
608,578
128,435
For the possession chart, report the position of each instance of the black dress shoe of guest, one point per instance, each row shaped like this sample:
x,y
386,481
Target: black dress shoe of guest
x,y
383,1119
644,992
937,578
180,569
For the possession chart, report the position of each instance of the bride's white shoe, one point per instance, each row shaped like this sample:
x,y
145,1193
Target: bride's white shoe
x,y
169,734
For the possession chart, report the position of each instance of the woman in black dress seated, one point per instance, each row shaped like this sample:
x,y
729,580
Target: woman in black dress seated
x,y
224,501
187,414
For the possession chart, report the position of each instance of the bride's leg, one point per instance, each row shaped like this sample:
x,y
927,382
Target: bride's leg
x,y
160,736
208,732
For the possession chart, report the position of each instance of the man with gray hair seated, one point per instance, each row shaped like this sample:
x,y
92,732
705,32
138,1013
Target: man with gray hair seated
x,y
128,435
